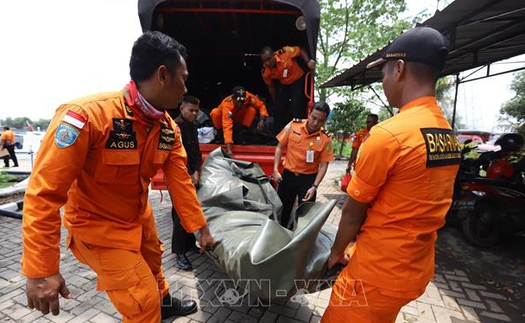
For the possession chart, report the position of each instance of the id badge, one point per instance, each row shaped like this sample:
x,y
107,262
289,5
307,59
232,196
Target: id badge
x,y
309,156
285,72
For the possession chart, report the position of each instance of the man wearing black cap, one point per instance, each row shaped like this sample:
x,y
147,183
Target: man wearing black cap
x,y
239,108
400,192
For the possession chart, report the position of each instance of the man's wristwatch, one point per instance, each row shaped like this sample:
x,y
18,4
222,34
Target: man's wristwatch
x,y
315,186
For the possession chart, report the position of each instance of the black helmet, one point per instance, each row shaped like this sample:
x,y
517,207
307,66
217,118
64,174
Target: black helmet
x,y
510,142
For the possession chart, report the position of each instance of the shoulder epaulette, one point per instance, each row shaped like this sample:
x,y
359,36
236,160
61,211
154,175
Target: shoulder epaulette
x,y
326,133
297,120
228,99
281,51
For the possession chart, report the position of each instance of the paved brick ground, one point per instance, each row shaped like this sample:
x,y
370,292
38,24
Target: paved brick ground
x,y
450,297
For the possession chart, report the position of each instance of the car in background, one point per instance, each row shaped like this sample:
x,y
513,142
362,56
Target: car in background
x,y
29,141
477,144
474,139
483,135
19,141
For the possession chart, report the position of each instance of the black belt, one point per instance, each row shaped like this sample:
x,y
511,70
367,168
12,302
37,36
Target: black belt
x,y
298,174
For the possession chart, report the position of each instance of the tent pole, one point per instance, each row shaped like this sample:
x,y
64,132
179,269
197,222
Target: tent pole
x,y
455,103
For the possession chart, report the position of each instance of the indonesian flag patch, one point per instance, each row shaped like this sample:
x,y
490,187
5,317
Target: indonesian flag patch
x,y
74,119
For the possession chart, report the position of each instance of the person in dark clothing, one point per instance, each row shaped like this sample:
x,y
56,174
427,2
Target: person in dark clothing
x,y
181,241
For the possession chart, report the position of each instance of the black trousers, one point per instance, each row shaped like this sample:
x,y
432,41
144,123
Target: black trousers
x,y
291,187
289,103
181,241
11,150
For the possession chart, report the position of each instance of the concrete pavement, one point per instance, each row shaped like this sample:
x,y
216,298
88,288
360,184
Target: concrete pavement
x,y
454,295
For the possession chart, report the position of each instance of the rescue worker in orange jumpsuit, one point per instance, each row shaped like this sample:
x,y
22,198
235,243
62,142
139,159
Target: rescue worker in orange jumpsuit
x,y
400,191
282,67
7,141
359,137
100,153
238,108
308,152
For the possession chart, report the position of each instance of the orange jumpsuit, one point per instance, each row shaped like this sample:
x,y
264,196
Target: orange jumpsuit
x,y
97,166
406,172
226,115
359,137
287,70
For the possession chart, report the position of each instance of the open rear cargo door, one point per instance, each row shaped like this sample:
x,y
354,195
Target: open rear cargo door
x,y
224,38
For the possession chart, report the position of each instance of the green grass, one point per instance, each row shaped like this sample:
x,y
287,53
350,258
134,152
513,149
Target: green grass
x,y
6,180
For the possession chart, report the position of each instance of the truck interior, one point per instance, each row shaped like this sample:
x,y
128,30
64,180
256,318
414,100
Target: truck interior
x,y
224,38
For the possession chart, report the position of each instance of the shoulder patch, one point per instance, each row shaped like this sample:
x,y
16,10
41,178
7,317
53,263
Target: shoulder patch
x,y
329,147
288,127
442,147
66,135
74,119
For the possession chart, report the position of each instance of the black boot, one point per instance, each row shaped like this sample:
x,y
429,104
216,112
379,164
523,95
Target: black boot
x,y
172,306
183,262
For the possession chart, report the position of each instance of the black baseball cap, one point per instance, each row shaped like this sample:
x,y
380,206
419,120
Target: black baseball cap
x,y
239,93
419,45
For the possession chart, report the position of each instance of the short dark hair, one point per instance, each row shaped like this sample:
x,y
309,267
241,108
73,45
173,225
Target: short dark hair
x,y
6,128
322,106
266,49
423,72
151,50
190,100
373,116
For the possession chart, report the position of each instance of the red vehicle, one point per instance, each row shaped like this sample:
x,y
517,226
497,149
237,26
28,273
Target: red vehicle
x,y
474,138
483,136
224,38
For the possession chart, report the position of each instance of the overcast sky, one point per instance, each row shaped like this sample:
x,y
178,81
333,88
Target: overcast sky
x,y
56,50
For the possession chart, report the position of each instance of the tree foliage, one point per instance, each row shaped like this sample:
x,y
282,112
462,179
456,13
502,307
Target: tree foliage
x,y
351,30
348,116
444,96
24,123
515,107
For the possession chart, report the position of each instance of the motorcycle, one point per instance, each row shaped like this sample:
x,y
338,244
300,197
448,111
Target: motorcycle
x,y
489,193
